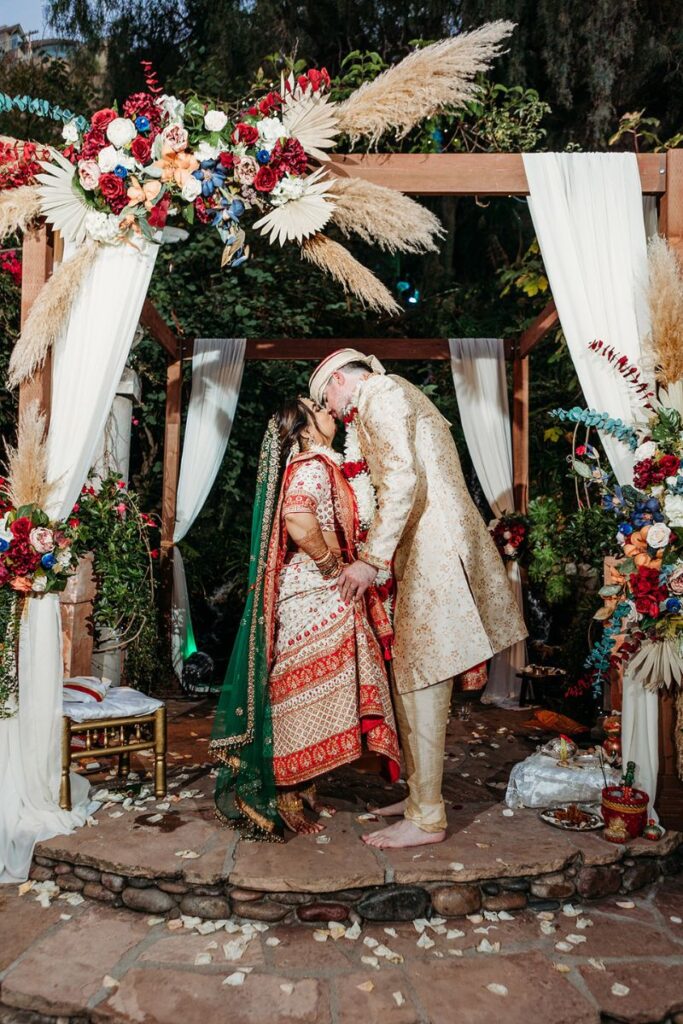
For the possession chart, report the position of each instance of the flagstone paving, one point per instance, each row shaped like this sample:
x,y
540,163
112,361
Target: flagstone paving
x,y
91,963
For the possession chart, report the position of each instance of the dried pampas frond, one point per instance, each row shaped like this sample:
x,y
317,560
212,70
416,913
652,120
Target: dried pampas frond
x,y
353,276
426,81
27,463
49,314
663,348
18,208
383,216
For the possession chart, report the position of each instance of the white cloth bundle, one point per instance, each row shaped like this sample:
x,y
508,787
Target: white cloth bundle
x,y
85,689
539,781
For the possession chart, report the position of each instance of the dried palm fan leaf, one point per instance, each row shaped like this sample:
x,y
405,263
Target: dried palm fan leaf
x,y
27,463
49,314
310,118
663,348
302,216
337,261
60,203
383,216
18,208
424,82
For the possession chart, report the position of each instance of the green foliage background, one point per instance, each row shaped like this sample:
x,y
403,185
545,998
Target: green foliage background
x,y
571,71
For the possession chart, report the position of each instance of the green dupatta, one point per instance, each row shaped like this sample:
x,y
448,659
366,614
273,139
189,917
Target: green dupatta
x,y
242,738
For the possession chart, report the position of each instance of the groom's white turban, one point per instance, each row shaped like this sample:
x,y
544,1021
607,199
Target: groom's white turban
x,y
320,377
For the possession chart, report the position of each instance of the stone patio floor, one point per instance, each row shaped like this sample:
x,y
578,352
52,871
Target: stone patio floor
x,y
616,959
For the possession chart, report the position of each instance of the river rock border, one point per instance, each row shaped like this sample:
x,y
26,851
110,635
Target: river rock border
x,y
169,897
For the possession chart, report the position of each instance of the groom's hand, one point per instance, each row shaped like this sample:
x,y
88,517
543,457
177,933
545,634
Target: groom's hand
x,y
355,580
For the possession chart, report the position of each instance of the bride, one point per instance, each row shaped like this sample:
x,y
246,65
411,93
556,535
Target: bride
x,y
306,689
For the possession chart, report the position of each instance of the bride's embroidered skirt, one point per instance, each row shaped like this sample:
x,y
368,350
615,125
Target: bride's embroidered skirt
x,y
328,685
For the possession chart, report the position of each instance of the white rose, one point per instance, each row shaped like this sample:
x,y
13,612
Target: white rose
x,y
108,158
172,107
102,227
646,450
70,132
64,557
215,120
205,151
632,616
658,535
271,129
191,189
121,131
673,509
39,584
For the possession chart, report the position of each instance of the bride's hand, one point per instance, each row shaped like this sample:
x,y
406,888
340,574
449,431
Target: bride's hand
x,y
355,580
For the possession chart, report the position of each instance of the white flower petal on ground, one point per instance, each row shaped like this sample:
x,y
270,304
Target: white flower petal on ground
x,y
366,986
497,989
488,947
626,904
371,961
398,998
235,979
563,947
424,942
287,987
619,990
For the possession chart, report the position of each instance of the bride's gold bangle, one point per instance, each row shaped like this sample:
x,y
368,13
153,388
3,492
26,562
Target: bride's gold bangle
x,y
328,565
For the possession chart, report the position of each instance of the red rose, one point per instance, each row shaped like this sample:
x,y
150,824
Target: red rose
x,y
141,149
93,142
226,160
4,574
647,606
642,474
158,215
266,179
21,528
102,118
668,465
246,133
253,111
111,186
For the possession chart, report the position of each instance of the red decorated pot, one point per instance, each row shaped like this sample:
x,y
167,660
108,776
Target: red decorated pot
x,y
624,812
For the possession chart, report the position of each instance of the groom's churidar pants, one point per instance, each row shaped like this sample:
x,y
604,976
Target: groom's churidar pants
x,y
422,717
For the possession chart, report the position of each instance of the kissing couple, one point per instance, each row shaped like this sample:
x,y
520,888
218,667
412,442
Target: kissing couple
x,y
373,582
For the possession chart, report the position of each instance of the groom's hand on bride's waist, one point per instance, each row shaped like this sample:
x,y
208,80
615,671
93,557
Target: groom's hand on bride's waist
x,y
355,580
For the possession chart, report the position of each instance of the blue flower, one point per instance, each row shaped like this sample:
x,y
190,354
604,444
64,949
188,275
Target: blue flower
x,y
673,605
212,176
3,544
263,156
229,211
47,561
652,505
142,123
120,171
625,528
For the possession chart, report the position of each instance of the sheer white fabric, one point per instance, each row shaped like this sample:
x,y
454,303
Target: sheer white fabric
x,y
587,211
640,733
217,367
87,363
478,367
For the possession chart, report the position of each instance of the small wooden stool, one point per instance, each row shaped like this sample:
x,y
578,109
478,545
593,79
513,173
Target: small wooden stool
x,y
120,736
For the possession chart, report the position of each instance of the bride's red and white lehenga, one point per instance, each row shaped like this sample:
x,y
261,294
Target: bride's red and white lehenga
x,y
328,685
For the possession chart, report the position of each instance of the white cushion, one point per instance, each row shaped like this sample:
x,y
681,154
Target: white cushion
x,y
85,689
120,702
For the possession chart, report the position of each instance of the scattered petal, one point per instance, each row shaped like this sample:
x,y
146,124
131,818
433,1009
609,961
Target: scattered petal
x,y
455,933
26,887
398,998
322,840
563,947
424,942
151,921
370,942
562,968
569,911
371,961
504,916
584,922
188,855
546,915
109,982
576,940
353,932
475,918
272,941
620,990
508,813
392,932
420,923
202,959
455,952
548,928
498,990
320,935
488,947
336,930
456,866
366,986
65,917
287,988
237,978
676,920
626,904
596,964
175,925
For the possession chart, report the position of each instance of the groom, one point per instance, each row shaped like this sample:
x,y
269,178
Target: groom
x,y
454,605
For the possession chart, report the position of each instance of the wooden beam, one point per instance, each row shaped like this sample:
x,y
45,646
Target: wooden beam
x,y
311,349
169,488
37,260
671,206
546,320
151,319
520,432
466,174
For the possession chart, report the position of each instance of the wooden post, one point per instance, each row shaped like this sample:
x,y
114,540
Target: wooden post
x,y
669,798
37,259
520,431
174,386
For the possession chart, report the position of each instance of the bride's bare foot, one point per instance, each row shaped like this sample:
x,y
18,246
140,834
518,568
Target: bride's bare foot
x,y
401,834
391,811
311,799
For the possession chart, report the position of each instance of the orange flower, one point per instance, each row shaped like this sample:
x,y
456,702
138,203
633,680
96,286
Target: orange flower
x,y
146,193
22,584
176,167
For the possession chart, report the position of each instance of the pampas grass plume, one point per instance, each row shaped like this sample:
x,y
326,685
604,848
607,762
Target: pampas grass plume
x,y
337,261
423,83
18,208
383,216
663,349
27,463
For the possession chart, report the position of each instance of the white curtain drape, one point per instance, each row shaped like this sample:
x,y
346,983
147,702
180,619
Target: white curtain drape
x,y
639,734
587,211
217,367
478,367
87,363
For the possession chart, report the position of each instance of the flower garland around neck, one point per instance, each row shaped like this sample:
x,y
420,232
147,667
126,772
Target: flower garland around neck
x,y
356,470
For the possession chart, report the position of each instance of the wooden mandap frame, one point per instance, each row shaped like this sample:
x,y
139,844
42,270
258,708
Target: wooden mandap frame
x,y
454,174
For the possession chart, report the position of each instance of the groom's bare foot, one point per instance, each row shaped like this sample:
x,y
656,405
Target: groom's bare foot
x,y
401,834
391,811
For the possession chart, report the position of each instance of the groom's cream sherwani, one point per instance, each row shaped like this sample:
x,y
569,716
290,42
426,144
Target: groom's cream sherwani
x,y
455,607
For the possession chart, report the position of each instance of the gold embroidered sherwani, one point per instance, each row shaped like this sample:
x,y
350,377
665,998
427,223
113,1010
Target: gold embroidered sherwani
x,y
454,607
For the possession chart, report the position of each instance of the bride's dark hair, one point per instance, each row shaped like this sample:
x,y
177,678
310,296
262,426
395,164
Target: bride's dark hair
x,y
292,418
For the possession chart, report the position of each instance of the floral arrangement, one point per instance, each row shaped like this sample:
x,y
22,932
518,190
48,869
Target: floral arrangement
x,y
36,554
509,534
20,162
